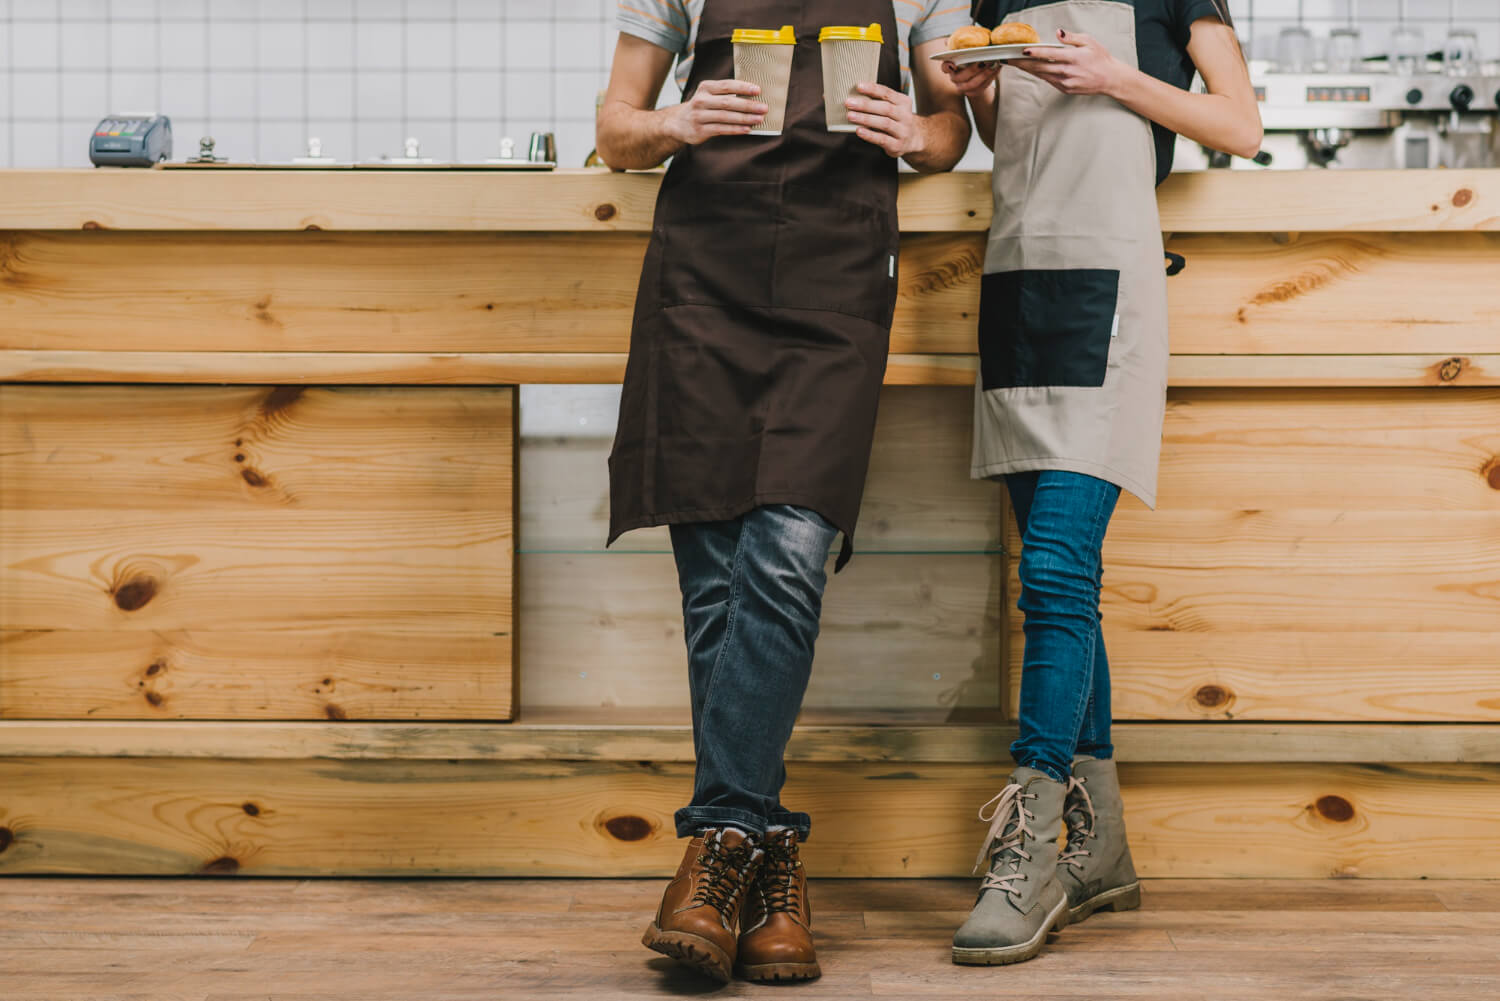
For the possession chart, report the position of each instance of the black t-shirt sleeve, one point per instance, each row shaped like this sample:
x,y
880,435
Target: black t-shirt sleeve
x,y
1185,12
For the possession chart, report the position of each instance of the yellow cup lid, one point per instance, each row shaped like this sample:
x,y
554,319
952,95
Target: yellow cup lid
x,y
851,34
756,36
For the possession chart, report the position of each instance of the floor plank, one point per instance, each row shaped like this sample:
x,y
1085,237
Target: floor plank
x,y
69,939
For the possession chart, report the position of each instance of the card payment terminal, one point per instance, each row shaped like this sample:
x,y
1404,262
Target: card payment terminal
x,y
139,140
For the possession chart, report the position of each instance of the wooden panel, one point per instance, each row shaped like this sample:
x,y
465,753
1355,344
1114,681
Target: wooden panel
x,y
583,368
408,818
622,734
1207,201
361,292
298,674
1318,555
918,495
565,200
212,448
917,630
175,552
1358,450
1417,294
1335,294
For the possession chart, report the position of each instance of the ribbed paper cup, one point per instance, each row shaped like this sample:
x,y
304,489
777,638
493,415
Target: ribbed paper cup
x,y
846,65
768,66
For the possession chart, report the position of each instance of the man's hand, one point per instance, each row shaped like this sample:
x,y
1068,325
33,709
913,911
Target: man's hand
x,y
1085,67
717,108
973,79
886,119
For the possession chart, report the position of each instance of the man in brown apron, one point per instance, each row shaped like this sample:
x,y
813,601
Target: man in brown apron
x,y
756,359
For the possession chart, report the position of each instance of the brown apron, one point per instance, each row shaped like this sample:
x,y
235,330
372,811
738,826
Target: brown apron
x,y
1073,307
763,317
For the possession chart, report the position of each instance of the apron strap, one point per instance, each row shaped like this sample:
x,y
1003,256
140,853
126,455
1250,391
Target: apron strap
x,y
846,553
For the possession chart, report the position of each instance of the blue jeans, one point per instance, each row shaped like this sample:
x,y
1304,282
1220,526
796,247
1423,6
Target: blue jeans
x,y
1065,672
752,594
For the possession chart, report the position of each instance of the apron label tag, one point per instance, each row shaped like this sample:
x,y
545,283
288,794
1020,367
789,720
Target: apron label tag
x,y
1115,330
893,266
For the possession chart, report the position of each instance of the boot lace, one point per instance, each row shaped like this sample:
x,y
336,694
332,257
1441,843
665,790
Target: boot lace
x,y
778,872
1006,840
1080,817
724,870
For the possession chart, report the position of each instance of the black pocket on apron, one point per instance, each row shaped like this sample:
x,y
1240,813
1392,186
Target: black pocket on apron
x,y
718,242
1047,328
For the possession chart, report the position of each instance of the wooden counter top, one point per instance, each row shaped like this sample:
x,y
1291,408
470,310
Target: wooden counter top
x,y
275,563
599,201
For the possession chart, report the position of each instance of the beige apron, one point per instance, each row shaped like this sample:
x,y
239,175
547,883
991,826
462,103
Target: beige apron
x,y
1073,313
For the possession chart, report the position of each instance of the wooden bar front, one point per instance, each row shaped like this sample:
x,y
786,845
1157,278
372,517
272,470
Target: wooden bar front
x,y
275,597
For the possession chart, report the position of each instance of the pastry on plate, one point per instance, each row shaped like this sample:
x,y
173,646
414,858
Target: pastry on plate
x,y
1014,33
969,37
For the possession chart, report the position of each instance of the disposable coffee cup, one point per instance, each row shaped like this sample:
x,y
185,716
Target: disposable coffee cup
x,y
851,56
764,58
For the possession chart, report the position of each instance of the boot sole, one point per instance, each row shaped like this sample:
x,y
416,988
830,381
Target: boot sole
x,y
1056,921
772,973
1121,898
693,951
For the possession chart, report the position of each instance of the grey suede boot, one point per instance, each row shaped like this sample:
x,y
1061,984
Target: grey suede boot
x,y
1021,899
1095,868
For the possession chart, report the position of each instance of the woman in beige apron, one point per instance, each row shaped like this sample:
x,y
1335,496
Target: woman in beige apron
x,y
1071,394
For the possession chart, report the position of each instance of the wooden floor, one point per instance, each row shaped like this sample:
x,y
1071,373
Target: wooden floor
x,y
70,939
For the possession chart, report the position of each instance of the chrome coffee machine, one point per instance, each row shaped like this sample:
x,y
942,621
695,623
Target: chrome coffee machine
x,y
1366,120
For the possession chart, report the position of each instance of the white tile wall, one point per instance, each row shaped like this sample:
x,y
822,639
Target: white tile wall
x,y
1261,21
263,75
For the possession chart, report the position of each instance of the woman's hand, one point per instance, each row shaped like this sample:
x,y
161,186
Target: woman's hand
x,y
1084,67
886,118
973,79
717,108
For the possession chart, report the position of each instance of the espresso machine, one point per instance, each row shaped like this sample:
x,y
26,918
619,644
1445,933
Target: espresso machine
x,y
1420,115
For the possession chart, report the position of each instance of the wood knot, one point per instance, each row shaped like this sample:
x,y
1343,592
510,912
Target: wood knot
x,y
1212,696
222,866
334,712
312,227
1335,808
604,212
280,398
7,837
629,828
1491,473
1452,369
91,224
155,698
251,809
135,593
156,668
253,478
1462,197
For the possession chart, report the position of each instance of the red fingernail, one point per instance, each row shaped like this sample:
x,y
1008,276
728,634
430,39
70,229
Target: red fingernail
x,y
1061,33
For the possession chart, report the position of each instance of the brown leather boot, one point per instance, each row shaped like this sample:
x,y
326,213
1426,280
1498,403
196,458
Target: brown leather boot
x,y
698,923
776,943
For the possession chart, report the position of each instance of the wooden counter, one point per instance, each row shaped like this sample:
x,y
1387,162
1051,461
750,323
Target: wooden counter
x,y
275,598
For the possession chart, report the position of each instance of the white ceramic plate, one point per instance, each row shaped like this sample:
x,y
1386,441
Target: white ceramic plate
x,y
993,53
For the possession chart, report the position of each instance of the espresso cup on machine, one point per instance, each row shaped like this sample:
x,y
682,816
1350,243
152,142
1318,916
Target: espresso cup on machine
x,y
764,58
851,56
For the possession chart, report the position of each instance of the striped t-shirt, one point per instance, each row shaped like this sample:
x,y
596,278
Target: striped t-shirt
x,y
673,25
